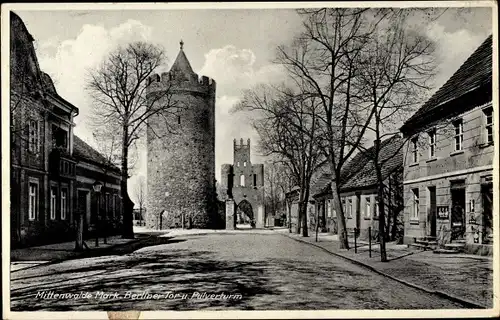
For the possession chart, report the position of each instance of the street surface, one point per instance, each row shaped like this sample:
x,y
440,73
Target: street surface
x,y
254,271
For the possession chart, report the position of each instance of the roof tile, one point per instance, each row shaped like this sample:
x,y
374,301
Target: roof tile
x,y
83,150
475,72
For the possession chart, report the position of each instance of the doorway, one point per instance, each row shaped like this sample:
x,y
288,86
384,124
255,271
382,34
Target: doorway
x,y
244,215
83,207
457,210
487,199
431,214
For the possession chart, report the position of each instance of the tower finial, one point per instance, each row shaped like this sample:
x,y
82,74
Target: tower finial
x,y
182,44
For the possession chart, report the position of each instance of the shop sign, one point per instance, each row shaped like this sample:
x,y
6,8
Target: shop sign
x,y
443,212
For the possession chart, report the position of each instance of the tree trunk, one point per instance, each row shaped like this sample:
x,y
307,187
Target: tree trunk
x,y
140,214
381,218
289,207
305,231
305,200
341,225
127,204
388,225
79,232
317,224
299,220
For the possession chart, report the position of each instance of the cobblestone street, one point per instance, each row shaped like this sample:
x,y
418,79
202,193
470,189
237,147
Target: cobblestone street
x,y
268,270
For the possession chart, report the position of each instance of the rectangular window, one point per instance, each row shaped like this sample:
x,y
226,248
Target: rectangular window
x,y
432,143
53,203
376,207
472,205
349,208
414,149
488,120
368,208
416,203
59,138
64,203
254,180
33,201
344,208
114,205
334,213
33,143
459,134
108,204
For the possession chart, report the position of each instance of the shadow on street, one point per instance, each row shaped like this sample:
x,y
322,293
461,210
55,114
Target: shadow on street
x,y
246,265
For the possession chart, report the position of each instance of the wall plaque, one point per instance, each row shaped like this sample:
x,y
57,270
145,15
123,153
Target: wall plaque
x,y
443,212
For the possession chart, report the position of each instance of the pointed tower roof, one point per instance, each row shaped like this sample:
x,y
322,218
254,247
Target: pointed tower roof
x,y
181,63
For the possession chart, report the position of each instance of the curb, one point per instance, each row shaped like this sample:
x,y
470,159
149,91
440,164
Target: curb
x,y
448,296
83,254
223,231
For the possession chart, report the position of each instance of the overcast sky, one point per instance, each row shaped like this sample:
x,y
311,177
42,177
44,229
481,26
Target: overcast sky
x,y
234,47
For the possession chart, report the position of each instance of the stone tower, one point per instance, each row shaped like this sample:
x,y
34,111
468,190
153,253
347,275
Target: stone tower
x,y
181,155
244,182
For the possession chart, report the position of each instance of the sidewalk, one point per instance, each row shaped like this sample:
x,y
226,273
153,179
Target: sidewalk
x,y
177,232
28,257
465,277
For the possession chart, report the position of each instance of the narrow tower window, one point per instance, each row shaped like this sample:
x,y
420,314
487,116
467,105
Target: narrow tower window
x,y
242,180
178,119
254,180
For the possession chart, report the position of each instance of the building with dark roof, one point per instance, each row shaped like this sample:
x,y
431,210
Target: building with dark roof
x,y
50,167
92,166
448,182
359,190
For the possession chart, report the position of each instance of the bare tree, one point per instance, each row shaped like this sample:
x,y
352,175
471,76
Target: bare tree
x,y
395,68
278,182
287,127
118,88
323,60
331,60
109,147
140,194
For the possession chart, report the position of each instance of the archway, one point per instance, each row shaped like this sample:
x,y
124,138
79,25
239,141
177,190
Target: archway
x,y
244,215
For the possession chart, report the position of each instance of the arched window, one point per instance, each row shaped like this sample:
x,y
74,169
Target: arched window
x,y
242,180
245,164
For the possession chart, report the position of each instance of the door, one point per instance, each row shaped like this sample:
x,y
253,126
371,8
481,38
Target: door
x,y
457,213
358,212
487,195
83,208
432,213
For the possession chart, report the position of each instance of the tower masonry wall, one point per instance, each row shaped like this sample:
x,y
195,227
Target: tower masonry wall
x,y
253,188
181,155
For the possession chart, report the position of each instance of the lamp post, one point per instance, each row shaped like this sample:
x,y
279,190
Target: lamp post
x,y
97,189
